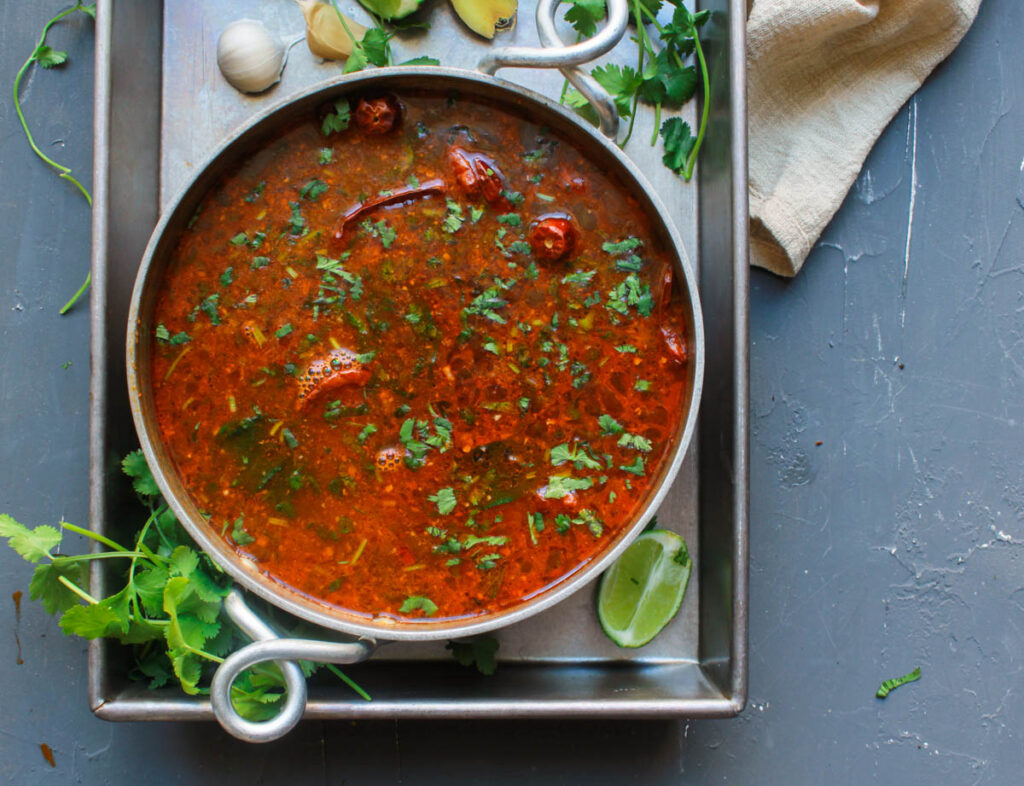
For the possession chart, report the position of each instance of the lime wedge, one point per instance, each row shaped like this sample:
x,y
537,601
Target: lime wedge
x,y
644,589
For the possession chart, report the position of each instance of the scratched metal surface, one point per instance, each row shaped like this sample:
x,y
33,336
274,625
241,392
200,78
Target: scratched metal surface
x,y
200,110
923,461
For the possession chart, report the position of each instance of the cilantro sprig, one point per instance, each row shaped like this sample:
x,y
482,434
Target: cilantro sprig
x,y
47,57
660,78
170,606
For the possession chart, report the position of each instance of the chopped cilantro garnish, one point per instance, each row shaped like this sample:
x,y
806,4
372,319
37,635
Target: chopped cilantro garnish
x,y
635,442
238,533
326,155
239,240
418,603
561,485
518,247
484,305
626,348
510,219
364,435
227,276
259,262
576,453
284,330
337,120
631,292
609,425
636,468
475,213
623,246
289,438
313,189
453,219
444,499
642,385
524,404
256,193
579,277
297,224
514,197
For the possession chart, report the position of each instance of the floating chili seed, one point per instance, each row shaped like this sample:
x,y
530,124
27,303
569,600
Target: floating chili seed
x,y
553,238
378,115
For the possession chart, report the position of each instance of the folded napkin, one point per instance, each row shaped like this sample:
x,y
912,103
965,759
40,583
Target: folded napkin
x,y
824,78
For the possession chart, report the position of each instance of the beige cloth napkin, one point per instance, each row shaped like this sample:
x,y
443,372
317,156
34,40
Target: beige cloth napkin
x,y
825,77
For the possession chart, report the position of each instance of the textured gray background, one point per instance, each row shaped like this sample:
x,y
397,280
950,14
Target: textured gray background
x,y
895,543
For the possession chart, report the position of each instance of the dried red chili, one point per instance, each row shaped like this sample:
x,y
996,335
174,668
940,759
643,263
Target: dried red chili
x,y
553,238
377,115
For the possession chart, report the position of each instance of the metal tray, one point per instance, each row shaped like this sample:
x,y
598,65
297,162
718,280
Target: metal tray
x,y
161,107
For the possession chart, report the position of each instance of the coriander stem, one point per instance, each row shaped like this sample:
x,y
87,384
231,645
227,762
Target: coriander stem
x,y
99,555
347,680
77,590
85,284
94,535
344,24
707,105
657,123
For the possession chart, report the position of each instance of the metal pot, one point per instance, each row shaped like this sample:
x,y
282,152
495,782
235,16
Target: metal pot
x,y
599,147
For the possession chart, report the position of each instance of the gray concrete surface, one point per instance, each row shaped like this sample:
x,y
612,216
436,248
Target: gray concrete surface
x,y
896,542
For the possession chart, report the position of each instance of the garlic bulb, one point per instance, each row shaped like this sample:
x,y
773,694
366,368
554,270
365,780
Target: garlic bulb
x,y
326,36
250,56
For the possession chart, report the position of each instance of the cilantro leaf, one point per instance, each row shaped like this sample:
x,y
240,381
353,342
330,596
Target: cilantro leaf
x,y
376,46
135,467
636,468
609,425
48,58
339,119
477,652
418,603
47,588
444,499
679,142
621,82
32,544
584,15
561,485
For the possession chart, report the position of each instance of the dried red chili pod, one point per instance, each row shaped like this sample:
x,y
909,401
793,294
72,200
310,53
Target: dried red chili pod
x,y
476,175
553,238
378,115
675,344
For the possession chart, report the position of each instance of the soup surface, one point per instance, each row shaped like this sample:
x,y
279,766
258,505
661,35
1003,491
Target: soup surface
x,y
418,357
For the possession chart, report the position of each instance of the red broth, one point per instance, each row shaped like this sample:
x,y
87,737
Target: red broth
x,y
422,364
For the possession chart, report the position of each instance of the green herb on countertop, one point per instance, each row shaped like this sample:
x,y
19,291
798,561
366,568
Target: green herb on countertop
x,y
890,685
170,607
46,57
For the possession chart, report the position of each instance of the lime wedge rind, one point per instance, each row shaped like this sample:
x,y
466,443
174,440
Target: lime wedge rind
x,y
644,589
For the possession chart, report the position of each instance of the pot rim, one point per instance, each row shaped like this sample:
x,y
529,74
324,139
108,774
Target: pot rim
x,y
243,569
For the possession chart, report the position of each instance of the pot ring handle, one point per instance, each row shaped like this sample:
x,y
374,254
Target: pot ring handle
x,y
567,59
268,646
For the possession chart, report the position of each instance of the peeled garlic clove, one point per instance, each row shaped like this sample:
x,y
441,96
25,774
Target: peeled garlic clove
x,y
487,16
250,56
326,36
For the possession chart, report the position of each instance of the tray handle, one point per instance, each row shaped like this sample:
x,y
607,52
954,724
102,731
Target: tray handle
x,y
267,646
567,59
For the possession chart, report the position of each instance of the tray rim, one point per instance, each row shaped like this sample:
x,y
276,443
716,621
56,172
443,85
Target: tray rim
x,y
732,696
